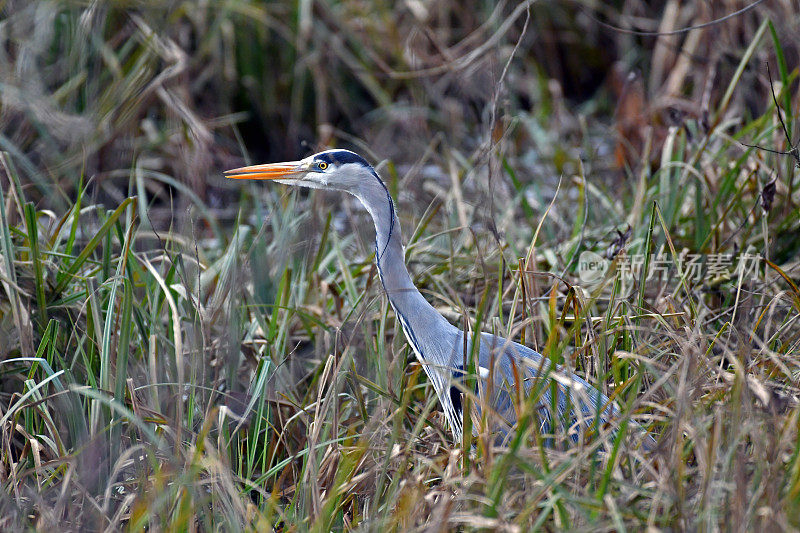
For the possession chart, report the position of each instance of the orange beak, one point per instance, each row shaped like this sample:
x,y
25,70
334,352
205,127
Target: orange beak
x,y
270,171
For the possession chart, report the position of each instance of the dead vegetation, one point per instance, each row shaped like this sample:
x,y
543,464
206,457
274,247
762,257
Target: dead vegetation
x,y
180,353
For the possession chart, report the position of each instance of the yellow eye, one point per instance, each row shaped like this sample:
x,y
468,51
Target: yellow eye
x,y
322,165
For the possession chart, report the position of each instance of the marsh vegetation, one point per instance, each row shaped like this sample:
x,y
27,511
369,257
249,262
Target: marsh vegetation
x,y
178,352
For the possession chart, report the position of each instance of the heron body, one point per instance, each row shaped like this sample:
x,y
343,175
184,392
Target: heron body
x,y
503,366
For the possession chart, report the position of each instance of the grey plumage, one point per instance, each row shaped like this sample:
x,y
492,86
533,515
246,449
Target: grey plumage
x,y
439,345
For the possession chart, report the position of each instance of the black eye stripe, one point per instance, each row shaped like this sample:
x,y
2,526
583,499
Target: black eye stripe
x,y
341,157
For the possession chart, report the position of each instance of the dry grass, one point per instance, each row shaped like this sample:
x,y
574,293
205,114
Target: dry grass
x,y
146,303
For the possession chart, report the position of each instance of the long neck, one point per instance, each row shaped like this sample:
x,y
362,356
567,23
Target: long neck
x,y
405,298
433,339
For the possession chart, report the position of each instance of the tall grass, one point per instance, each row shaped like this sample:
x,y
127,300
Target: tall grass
x,y
179,353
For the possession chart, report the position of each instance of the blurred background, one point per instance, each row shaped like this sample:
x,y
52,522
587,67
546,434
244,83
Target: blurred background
x,y
186,89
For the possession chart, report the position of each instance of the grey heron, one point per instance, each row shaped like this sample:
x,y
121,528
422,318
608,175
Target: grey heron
x,y
504,367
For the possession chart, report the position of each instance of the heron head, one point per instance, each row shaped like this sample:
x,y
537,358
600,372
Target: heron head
x,y
332,169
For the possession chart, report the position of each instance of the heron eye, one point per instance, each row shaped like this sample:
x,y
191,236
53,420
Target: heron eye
x,y
322,165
